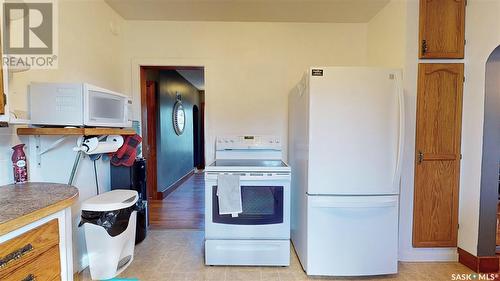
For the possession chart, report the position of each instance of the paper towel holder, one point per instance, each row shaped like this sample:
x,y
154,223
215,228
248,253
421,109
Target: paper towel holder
x,y
99,145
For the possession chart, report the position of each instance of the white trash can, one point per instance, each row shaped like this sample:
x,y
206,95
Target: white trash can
x,y
109,222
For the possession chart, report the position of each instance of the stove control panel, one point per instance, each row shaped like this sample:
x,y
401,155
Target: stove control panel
x,y
248,142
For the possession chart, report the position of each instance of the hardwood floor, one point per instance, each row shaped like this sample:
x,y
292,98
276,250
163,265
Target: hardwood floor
x,y
182,209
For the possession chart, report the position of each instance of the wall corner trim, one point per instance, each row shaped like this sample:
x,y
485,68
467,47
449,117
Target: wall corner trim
x,y
478,264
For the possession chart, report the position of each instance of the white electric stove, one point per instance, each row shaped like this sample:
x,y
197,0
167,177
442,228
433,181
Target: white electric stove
x,y
260,234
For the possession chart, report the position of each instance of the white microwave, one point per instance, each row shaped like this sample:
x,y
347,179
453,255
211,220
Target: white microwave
x,y
78,104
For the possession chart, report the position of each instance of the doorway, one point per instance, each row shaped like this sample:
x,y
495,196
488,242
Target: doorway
x,y
489,215
172,103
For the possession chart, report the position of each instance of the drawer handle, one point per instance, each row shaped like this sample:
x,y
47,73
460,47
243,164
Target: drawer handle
x,y
15,255
30,277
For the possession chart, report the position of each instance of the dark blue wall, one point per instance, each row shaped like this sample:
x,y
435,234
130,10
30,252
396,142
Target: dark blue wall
x,y
174,153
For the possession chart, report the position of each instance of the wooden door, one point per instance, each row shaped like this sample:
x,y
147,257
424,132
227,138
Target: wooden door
x,y
442,29
149,121
437,159
152,122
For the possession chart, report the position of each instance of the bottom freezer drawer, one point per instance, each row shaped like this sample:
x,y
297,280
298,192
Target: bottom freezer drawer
x,y
247,252
352,235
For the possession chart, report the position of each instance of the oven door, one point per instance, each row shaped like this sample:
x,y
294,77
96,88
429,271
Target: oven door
x,y
266,209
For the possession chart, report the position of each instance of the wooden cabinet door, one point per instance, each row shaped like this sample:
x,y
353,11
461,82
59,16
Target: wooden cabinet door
x,y
442,29
35,253
437,160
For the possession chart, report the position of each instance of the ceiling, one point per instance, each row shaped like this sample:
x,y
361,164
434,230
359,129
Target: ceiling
x,y
194,76
335,11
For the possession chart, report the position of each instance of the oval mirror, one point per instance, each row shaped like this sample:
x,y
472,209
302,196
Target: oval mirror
x,y
179,118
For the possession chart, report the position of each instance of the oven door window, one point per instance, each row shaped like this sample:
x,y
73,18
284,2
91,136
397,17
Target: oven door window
x,y
261,205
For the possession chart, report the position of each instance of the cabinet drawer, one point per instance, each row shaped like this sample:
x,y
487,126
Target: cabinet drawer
x,y
24,248
46,266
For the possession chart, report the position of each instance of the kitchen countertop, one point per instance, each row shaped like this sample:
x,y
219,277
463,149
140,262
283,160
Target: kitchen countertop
x,y
21,204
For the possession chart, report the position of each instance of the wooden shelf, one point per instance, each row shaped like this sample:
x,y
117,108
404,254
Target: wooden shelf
x,y
75,131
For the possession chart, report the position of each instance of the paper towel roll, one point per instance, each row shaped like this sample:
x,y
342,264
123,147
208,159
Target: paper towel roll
x,y
100,145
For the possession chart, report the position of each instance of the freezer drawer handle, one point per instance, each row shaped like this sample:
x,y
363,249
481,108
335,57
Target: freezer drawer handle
x,y
380,204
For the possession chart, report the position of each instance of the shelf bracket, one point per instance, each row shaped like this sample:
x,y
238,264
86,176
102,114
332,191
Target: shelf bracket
x,y
40,152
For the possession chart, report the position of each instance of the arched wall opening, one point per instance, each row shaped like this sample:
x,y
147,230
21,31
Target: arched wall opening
x,y
490,168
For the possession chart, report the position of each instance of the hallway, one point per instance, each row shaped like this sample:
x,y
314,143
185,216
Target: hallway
x,y
184,208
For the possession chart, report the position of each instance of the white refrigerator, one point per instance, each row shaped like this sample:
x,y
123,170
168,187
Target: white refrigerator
x,y
345,146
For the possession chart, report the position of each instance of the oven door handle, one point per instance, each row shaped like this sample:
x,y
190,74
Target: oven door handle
x,y
253,177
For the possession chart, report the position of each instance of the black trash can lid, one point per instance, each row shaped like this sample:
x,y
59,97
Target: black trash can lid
x,y
110,201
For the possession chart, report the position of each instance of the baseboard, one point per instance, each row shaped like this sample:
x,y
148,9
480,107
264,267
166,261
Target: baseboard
x,y
478,264
428,255
163,194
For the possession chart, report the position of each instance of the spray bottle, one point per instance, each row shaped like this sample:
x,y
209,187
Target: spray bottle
x,y
19,164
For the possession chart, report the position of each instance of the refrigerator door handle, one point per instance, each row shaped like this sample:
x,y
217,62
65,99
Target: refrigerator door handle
x,y
400,96
354,204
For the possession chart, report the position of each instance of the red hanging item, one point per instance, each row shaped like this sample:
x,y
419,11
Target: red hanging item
x,y
125,155
19,164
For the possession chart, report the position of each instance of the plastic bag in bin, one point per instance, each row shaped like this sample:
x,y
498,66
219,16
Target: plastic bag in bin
x,y
114,222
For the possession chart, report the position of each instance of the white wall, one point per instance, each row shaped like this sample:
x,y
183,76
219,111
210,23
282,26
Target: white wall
x,y
387,36
89,52
250,67
482,33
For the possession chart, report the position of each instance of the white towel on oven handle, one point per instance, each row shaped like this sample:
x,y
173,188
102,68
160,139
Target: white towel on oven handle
x,y
229,194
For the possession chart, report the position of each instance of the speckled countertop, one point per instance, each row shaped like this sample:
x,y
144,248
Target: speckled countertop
x,y
21,204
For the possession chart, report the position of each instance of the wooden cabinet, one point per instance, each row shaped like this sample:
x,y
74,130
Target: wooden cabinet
x,y
437,155
47,266
442,29
33,255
